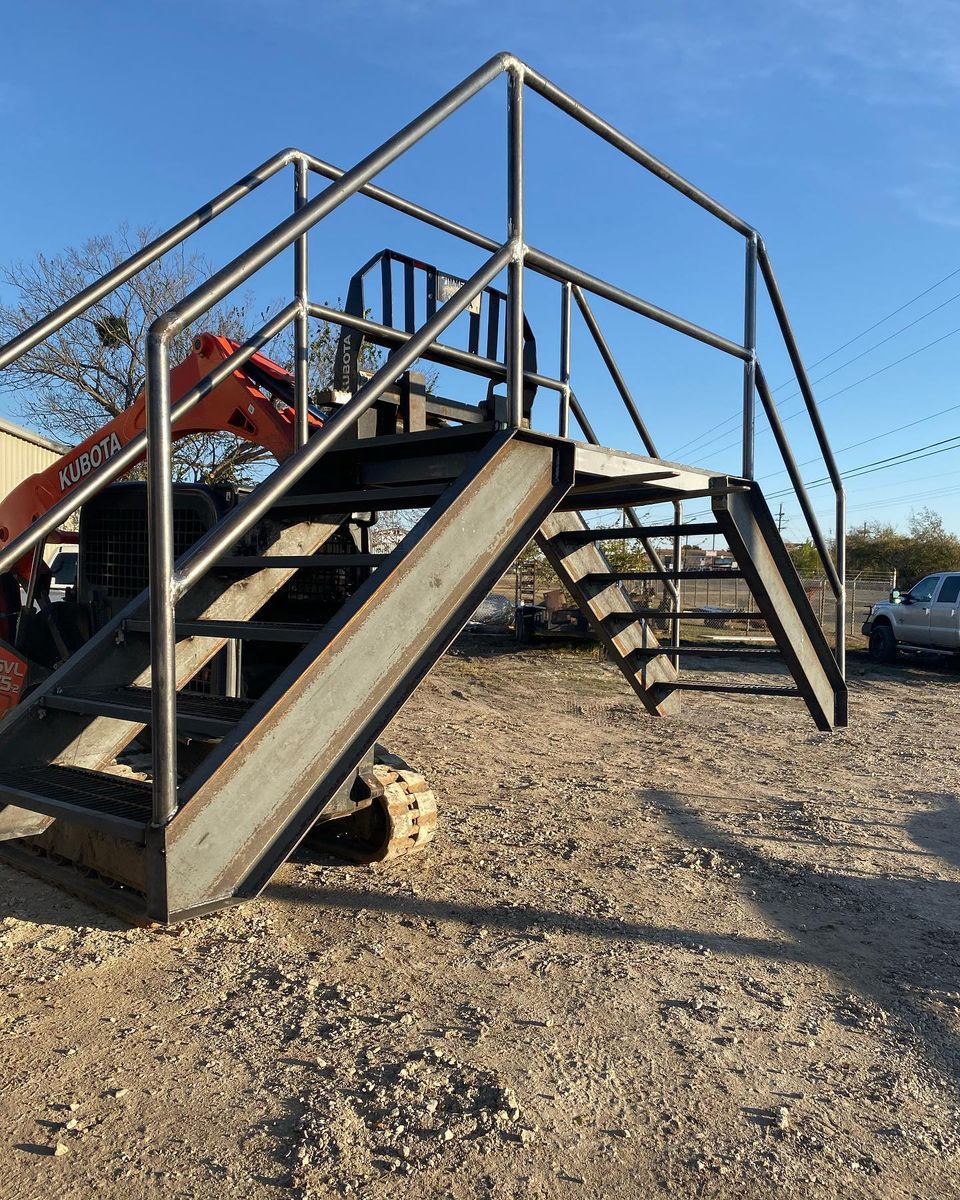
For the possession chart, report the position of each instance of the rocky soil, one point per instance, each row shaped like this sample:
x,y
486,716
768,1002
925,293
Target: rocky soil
x,y
711,956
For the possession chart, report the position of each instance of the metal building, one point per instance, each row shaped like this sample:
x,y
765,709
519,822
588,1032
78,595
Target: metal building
x,y
23,453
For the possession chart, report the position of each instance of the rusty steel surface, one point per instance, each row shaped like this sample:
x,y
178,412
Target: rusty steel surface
x,y
750,530
304,737
581,568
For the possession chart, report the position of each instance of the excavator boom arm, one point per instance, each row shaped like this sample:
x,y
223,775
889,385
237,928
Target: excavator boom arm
x,y
237,406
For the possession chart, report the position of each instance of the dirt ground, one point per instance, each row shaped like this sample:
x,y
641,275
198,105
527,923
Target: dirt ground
x,y
711,956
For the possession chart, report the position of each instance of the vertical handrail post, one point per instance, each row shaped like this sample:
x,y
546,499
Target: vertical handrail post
x,y
840,629
163,659
301,324
750,364
515,88
566,295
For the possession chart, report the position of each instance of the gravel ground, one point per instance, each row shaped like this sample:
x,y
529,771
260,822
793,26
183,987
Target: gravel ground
x,y
717,956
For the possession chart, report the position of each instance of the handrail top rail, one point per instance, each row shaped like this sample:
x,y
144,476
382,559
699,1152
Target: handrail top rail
x,y
358,178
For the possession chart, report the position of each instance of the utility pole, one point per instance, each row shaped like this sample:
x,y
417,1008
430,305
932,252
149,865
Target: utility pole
x,y
780,519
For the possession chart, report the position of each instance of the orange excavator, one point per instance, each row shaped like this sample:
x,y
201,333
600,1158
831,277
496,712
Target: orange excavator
x,y
254,403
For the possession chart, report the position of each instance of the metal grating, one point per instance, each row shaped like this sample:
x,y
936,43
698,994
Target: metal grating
x,y
320,592
115,550
91,790
193,704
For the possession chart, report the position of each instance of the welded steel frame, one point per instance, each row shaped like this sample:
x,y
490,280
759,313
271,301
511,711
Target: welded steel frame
x,y
169,580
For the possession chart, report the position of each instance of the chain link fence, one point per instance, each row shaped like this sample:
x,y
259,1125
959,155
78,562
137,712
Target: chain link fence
x,y
722,600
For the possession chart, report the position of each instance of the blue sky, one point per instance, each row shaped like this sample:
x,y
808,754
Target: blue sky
x,y
832,126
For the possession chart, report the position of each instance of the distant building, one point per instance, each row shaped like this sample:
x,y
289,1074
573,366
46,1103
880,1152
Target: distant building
x,y
23,453
699,558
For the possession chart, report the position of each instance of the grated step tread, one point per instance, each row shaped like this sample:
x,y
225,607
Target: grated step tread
x,y
736,689
111,795
196,713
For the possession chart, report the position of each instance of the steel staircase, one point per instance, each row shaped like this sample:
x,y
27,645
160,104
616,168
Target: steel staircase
x,y
575,551
239,780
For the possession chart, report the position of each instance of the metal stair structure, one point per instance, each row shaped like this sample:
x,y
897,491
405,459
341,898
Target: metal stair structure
x,y
238,781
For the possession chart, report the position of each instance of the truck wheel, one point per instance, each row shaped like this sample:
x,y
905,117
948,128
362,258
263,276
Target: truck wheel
x,y
883,645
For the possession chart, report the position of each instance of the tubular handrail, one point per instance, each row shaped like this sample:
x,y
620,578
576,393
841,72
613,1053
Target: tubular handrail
x,y
640,425
448,356
144,257
128,455
169,579
229,277
776,425
756,256
556,268
195,563
199,559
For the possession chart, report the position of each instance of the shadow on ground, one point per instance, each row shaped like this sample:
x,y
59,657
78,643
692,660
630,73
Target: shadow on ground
x,y
892,940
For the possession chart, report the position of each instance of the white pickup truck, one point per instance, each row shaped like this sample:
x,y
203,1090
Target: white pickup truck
x,y
926,618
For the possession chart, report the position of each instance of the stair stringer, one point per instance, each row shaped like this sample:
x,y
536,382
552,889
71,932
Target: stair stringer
x,y
260,791
30,734
577,564
752,535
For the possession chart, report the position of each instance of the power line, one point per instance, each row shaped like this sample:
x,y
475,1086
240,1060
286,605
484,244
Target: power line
x,y
884,464
727,420
876,325
882,342
856,383
875,438
930,450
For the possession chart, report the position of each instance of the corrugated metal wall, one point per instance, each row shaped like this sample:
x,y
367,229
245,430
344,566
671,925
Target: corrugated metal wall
x,y
20,458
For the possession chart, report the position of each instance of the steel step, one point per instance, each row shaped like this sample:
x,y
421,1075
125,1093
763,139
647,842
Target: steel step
x,y
254,562
684,614
618,576
369,499
737,689
702,651
109,803
630,532
259,631
209,716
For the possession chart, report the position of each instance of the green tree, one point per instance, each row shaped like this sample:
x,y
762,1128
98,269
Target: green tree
x,y
878,546
928,547
806,559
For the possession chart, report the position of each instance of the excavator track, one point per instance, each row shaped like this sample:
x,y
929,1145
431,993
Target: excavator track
x,y
401,820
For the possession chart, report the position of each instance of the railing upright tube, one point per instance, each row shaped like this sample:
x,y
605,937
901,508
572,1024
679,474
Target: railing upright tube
x,y
780,309
515,236
565,295
163,681
301,327
750,364
205,552
840,634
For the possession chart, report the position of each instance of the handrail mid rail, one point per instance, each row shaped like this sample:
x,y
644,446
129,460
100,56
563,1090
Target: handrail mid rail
x,y
164,589
169,579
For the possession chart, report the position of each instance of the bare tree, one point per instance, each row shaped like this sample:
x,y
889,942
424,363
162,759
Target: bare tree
x,y
92,370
